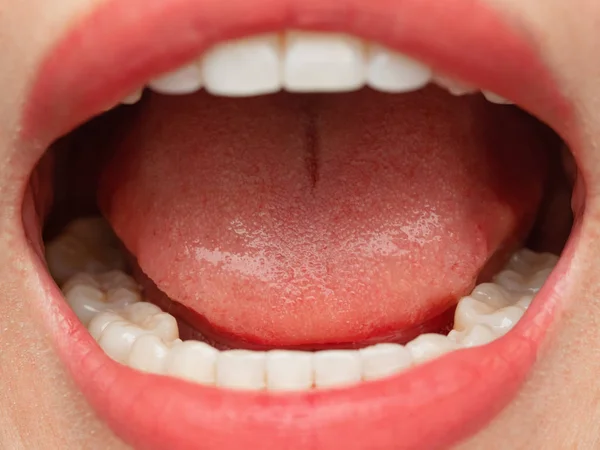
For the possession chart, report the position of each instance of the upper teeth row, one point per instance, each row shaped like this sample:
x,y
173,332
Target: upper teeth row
x,y
144,337
299,61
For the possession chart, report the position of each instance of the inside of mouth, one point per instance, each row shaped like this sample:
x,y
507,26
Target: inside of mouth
x,y
362,221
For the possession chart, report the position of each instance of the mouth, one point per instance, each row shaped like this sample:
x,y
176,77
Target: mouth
x,y
304,225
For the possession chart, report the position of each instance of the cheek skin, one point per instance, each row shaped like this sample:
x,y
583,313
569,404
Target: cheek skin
x,y
563,392
41,406
563,389
46,410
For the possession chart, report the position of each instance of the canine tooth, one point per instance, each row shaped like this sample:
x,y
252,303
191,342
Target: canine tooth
x,y
185,80
289,370
241,369
133,98
494,98
478,334
194,361
323,62
430,346
244,67
99,323
389,71
118,337
381,360
337,368
148,353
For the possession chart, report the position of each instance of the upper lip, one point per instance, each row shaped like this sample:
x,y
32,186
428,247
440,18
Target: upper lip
x,y
123,44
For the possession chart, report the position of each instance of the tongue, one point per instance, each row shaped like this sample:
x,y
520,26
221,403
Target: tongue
x,y
289,220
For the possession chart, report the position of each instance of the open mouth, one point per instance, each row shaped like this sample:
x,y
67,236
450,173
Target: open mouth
x,y
305,237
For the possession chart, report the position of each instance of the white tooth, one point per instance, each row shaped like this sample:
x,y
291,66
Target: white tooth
x,y
86,301
494,98
150,317
163,325
527,262
148,354
492,294
185,80
244,67
381,360
477,335
516,283
99,323
87,296
84,278
337,368
133,98
323,62
241,369
116,279
120,297
503,320
468,312
67,256
389,71
430,346
139,312
289,370
510,280
86,245
525,301
547,261
118,337
537,280
194,361
454,87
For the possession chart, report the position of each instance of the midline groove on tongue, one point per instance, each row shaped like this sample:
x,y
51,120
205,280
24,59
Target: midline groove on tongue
x,y
141,335
312,146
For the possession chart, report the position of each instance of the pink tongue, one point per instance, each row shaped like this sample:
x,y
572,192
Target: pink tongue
x,y
288,220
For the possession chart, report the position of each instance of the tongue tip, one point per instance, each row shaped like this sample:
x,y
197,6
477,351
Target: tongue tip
x,y
195,326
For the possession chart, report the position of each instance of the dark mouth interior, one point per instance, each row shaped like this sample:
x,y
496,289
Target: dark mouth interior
x,y
80,157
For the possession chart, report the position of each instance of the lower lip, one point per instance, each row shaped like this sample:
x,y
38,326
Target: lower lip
x,y
431,406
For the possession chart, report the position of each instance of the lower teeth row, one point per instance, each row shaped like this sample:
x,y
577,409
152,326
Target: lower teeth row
x,y
142,336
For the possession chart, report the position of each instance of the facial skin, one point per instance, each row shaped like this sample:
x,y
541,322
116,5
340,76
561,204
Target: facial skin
x,y
558,407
